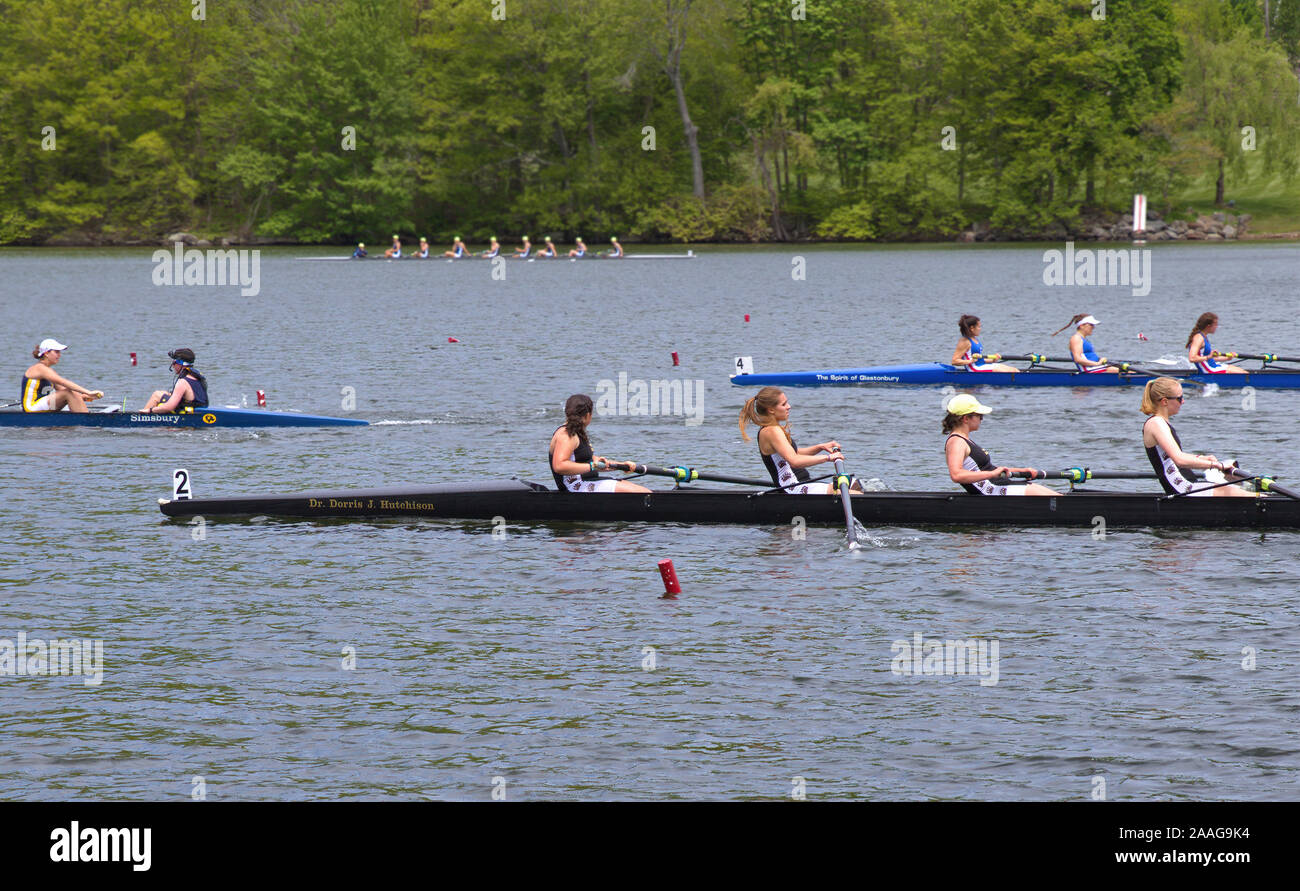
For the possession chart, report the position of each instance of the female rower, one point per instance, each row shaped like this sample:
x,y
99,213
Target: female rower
x,y
524,249
572,463
1199,351
787,464
968,464
579,249
1162,398
190,389
394,252
615,251
39,379
494,248
969,347
360,252
1082,351
458,249
548,250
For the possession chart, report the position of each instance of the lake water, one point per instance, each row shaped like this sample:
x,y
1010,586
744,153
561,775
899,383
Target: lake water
x,y
521,663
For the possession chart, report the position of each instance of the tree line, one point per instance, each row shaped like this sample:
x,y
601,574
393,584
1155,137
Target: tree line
x,y
346,120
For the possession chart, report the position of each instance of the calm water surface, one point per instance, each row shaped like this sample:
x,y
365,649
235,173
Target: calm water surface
x,y
525,658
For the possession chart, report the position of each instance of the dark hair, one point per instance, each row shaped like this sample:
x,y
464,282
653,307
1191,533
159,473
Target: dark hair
x,y
184,354
1073,321
950,422
576,407
1205,321
966,324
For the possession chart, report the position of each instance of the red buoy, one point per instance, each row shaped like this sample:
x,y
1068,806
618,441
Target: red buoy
x,y
261,399
452,340
671,587
133,358
674,360
746,317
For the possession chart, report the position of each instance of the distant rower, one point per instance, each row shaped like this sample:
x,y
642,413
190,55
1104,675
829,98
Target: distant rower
x,y
581,248
572,463
968,464
616,251
1199,351
458,249
548,250
360,252
1162,398
394,252
41,378
969,346
423,252
494,248
786,463
190,389
525,249
1081,348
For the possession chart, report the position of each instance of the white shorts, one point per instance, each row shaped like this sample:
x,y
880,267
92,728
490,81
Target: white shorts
x,y
45,403
581,485
987,488
810,489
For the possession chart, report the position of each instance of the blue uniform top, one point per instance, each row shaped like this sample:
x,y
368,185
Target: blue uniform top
x,y
1089,352
1208,364
976,347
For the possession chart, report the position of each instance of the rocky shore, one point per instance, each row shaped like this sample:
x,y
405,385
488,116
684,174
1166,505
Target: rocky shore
x,y
1119,227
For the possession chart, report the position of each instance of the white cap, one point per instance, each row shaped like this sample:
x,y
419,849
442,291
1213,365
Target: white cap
x,y
1088,320
48,344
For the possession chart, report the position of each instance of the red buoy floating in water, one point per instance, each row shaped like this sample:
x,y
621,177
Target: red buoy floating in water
x,y
133,358
746,317
675,363
261,399
671,586
452,340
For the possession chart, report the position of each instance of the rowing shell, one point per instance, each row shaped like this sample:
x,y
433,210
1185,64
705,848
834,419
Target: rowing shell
x,y
519,501
938,373
203,418
689,255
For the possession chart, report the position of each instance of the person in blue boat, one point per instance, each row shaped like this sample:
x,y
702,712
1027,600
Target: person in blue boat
x,y
360,252
494,248
969,465
458,249
970,353
1082,351
189,391
1199,351
580,248
787,464
573,465
44,389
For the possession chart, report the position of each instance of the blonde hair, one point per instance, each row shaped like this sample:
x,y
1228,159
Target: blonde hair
x,y
1154,391
758,411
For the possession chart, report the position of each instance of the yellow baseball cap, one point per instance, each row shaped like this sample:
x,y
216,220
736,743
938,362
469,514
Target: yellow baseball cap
x,y
966,404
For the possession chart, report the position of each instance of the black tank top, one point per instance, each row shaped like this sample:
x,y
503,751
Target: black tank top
x,y
582,454
801,474
199,386
1156,456
979,456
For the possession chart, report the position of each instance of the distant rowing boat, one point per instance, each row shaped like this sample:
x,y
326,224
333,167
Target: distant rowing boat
x,y
689,255
939,373
203,418
521,502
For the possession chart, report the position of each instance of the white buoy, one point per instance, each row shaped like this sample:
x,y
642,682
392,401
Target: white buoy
x,y
1139,218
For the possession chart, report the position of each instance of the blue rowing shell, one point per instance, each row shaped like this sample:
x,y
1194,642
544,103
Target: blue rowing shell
x,y
203,418
938,373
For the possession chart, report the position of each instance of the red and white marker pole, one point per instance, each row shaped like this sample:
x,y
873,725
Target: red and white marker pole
x,y
675,362
261,399
671,586
133,358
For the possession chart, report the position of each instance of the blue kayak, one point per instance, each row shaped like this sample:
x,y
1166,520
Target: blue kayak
x,y
202,418
939,373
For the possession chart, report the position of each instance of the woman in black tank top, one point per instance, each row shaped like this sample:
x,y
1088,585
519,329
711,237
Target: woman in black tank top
x,y
968,464
573,465
189,391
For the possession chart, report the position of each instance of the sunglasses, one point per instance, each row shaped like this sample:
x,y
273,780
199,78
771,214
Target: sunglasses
x,y
1178,399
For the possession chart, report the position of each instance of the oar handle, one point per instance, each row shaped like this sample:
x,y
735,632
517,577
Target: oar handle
x,y
1266,358
1265,483
1032,358
690,475
843,483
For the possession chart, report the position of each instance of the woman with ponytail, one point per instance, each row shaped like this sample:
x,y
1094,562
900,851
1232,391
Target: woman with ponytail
x,y
1162,398
1082,351
1199,351
786,463
572,463
44,389
969,353
969,465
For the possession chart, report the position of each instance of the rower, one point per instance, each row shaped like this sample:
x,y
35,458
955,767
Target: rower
x,y
615,252
423,252
786,463
1162,398
968,464
580,249
525,249
1082,351
493,249
458,249
189,391
577,471
1199,351
394,252
969,347
548,250
45,390
360,252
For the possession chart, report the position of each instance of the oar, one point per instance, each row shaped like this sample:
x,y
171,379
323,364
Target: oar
x,y
1080,475
842,483
690,474
1032,358
1266,358
1265,483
